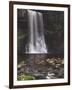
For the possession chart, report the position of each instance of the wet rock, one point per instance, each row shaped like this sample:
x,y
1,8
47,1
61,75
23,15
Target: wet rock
x,y
49,68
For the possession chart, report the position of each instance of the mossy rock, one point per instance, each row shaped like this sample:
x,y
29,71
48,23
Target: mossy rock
x,y
21,64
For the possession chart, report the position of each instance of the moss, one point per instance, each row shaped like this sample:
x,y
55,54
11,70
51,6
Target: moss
x,y
21,64
25,77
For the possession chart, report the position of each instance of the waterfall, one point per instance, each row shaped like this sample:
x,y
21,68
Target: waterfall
x,y
36,43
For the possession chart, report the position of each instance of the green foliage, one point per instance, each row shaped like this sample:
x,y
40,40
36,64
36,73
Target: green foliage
x,y
25,77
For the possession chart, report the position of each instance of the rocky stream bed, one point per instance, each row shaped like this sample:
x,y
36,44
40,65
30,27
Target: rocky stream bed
x,y
35,67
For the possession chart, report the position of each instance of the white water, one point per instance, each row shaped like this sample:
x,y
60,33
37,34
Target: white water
x,y
36,42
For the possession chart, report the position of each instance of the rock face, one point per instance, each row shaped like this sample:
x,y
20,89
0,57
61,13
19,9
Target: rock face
x,y
42,67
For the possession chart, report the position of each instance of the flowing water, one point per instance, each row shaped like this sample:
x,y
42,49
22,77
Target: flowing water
x,y
36,43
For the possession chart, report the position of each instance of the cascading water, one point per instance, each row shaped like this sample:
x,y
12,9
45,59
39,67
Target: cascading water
x,y
36,43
